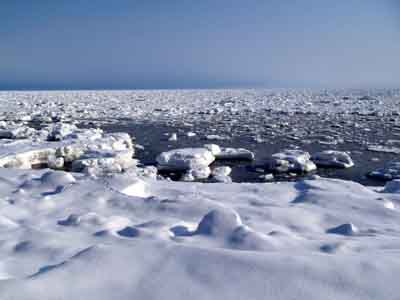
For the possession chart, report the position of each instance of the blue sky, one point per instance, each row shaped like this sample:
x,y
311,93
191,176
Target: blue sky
x,y
117,44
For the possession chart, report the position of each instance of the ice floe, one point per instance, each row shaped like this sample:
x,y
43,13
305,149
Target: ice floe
x,y
332,158
292,161
185,159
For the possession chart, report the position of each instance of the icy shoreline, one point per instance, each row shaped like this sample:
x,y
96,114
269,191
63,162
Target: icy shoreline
x,y
99,225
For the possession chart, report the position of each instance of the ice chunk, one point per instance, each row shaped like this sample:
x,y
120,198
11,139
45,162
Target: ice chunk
x,y
59,131
332,158
98,162
292,161
54,162
383,149
173,137
190,134
185,159
20,132
213,148
196,174
221,171
26,160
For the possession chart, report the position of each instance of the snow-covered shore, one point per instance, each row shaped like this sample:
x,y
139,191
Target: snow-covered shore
x,y
70,236
92,223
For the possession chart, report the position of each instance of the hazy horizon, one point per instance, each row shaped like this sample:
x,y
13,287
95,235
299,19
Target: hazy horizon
x,y
129,45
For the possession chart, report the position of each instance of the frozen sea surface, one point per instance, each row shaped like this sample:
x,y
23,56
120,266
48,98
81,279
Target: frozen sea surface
x,y
264,121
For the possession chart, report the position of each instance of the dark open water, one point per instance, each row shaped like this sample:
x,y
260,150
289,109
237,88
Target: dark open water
x,y
153,137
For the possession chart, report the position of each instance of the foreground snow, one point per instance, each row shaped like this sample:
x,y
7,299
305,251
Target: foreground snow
x,y
70,236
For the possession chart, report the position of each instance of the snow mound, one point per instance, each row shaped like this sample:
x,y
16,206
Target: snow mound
x,y
128,184
244,238
219,222
114,224
225,226
55,179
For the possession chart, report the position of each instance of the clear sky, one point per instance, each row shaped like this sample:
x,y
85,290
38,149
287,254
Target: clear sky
x,y
118,44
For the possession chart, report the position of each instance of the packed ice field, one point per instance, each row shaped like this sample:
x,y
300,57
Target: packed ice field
x,y
82,217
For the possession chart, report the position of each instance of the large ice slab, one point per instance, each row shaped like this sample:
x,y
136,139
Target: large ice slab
x,y
85,150
185,159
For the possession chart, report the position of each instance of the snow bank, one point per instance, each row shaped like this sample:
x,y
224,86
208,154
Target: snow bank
x,y
155,237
